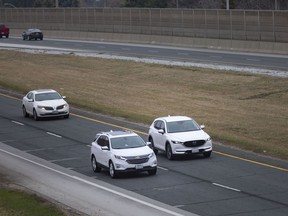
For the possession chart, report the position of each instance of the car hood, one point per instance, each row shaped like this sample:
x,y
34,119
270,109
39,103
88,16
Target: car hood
x,y
190,135
52,103
133,151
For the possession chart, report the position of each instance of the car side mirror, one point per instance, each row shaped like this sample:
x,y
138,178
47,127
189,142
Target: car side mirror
x,y
202,126
30,100
149,144
105,148
64,97
161,131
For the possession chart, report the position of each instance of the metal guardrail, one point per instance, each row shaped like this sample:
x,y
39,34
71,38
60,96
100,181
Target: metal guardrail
x,y
248,25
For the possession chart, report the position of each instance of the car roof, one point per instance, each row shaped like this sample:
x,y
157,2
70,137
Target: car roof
x,y
43,91
34,29
173,118
114,134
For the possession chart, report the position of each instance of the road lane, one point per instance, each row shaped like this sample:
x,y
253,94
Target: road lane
x,y
257,60
87,195
190,183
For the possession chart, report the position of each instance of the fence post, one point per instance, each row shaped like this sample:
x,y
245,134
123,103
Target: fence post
x,y
273,18
259,28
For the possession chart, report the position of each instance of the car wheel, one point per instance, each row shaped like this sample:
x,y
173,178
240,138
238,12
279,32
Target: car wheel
x,y
112,171
95,165
25,114
152,143
29,38
152,172
207,154
23,38
41,38
7,36
169,153
35,116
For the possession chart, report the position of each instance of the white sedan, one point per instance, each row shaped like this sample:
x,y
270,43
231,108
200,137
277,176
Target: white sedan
x,y
44,103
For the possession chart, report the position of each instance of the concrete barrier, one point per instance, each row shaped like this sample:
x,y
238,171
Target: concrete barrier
x,y
190,42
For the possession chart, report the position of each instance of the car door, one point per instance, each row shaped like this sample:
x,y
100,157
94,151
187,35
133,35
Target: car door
x,y
159,138
29,102
102,150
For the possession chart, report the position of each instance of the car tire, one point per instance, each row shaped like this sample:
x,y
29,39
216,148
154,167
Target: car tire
x,y
25,114
23,38
152,143
169,153
7,36
112,170
152,172
41,38
94,164
29,38
35,116
207,154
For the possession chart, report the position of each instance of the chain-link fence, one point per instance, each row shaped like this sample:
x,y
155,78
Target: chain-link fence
x,y
270,26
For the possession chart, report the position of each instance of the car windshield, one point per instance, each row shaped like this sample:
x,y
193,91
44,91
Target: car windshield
x,y
47,96
182,126
127,142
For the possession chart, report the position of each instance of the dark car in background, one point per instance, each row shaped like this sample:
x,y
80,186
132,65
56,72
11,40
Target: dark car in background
x,y
4,31
30,34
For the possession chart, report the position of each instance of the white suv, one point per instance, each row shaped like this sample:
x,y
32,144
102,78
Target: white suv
x,y
179,135
122,151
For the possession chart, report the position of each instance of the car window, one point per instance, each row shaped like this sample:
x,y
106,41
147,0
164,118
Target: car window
x,y
30,95
47,96
127,142
182,126
159,125
103,141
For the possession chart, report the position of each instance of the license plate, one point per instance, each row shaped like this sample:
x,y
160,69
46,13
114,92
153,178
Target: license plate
x,y
139,166
55,112
195,150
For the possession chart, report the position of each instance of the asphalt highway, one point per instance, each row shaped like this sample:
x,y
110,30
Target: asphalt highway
x,y
231,182
203,56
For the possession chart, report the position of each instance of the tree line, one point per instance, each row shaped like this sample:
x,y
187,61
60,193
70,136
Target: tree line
x,y
194,4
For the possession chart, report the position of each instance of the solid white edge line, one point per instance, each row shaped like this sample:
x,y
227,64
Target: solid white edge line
x,y
19,123
52,134
229,188
96,185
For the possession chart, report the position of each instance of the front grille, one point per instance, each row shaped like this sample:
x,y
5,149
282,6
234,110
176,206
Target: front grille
x,y
194,143
60,107
48,108
137,159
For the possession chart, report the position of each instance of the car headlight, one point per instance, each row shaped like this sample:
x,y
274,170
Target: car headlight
x,y
41,107
119,157
65,105
151,155
177,142
208,139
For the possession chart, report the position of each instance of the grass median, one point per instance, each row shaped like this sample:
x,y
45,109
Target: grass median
x,y
239,109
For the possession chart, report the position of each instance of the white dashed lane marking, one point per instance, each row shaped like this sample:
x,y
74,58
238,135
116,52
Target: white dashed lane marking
x,y
19,123
226,187
52,134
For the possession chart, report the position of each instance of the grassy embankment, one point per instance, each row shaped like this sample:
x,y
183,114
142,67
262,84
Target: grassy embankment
x,y
19,203
244,110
